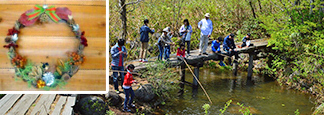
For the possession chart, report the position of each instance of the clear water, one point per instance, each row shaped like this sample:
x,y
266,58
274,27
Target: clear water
x,y
262,94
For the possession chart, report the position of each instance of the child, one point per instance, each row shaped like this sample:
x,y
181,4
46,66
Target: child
x,y
181,51
216,49
127,86
246,41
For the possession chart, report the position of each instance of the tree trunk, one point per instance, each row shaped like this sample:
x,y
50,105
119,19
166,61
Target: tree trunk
x,y
123,18
260,6
250,2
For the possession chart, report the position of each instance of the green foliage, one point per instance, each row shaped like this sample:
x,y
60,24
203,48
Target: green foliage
x,y
162,79
297,38
228,16
297,112
228,103
244,110
206,108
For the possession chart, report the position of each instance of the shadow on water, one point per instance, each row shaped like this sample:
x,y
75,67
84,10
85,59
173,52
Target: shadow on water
x,y
261,93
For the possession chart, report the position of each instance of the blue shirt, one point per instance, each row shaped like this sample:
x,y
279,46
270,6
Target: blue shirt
x,y
115,55
144,31
244,39
183,28
228,43
206,26
215,46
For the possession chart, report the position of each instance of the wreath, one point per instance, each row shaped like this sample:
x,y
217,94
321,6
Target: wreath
x,y
43,75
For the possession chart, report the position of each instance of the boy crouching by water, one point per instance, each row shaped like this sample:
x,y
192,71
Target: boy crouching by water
x,y
216,49
127,86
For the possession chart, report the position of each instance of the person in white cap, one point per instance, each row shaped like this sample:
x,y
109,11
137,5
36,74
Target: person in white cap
x,y
206,27
166,41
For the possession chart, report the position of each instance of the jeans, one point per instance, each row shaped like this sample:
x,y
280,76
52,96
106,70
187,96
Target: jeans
x,y
167,52
127,92
220,57
203,43
188,47
115,76
161,49
231,53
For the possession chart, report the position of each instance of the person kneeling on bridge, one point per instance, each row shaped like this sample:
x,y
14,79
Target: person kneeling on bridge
x,y
216,49
229,47
246,41
181,52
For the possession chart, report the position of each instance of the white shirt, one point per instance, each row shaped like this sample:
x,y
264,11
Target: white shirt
x,y
206,26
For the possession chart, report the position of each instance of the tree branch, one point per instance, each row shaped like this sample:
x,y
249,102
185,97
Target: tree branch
x,y
134,2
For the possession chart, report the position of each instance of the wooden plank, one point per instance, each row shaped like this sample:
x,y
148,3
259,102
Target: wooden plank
x,y
23,104
7,102
49,49
43,105
56,2
84,80
68,106
91,19
59,105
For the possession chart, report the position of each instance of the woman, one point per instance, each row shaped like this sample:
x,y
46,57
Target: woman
x,y
185,32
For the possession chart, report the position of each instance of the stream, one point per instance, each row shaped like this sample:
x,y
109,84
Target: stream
x,y
263,94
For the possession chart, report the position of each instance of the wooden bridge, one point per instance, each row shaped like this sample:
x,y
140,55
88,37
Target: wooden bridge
x,y
197,61
37,104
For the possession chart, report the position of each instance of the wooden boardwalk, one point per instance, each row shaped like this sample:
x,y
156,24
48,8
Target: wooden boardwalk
x,y
48,42
194,58
198,61
37,104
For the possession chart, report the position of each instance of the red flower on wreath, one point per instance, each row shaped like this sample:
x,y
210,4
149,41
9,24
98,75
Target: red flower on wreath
x,y
84,40
13,31
11,45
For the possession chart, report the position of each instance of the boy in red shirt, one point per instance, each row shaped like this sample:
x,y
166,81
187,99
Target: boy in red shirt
x,y
127,86
181,52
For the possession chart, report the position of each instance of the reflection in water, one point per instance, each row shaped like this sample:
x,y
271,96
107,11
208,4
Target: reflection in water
x,y
262,94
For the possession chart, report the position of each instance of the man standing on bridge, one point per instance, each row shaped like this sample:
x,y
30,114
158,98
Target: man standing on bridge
x,y
206,28
229,47
144,31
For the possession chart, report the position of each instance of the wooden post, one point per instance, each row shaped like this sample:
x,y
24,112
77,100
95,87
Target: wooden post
x,y
250,68
182,79
235,64
196,71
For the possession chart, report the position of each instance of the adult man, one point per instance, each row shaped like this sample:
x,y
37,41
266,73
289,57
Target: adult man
x,y
229,47
206,28
144,31
166,42
118,53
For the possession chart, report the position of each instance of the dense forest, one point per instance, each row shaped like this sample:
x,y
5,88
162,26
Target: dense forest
x,y
294,29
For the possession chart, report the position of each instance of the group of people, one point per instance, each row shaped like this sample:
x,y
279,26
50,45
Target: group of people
x,y
119,53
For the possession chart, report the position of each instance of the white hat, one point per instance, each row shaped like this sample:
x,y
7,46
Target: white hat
x,y
207,15
166,29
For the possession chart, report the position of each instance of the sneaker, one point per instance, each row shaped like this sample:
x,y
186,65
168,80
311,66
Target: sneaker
x,y
140,60
144,60
221,63
117,92
131,105
199,54
127,110
205,53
